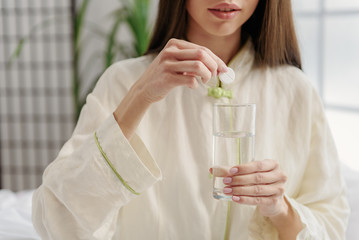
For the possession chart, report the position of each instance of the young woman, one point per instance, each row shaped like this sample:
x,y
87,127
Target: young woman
x,y
136,166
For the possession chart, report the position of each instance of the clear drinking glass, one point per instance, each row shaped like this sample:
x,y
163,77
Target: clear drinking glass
x,y
233,141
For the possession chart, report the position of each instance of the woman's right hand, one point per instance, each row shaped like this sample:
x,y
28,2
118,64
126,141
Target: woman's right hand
x,y
178,64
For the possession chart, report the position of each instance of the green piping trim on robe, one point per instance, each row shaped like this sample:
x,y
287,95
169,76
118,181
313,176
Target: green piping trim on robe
x,y
113,168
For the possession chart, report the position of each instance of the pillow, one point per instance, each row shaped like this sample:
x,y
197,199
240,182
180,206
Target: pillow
x,y
351,177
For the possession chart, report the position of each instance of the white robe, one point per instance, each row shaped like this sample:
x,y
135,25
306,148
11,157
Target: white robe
x,y
168,159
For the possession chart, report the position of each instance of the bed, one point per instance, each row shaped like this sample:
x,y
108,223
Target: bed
x,y
15,216
15,211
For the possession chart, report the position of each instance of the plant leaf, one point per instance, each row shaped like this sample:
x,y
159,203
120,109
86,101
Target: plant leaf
x,y
79,19
26,38
111,44
137,20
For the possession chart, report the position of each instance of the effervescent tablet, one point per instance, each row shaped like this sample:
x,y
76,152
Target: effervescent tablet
x,y
227,77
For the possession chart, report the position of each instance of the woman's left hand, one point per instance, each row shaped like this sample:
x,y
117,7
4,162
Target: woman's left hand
x,y
259,183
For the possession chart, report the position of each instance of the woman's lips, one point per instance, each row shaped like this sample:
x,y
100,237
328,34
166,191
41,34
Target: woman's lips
x,y
224,14
225,11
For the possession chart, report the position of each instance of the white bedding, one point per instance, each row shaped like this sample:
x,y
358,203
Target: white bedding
x,y
15,211
352,180
15,216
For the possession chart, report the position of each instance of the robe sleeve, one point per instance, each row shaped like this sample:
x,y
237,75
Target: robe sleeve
x,y
96,173
321,202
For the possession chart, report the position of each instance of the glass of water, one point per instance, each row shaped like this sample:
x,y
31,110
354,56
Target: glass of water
x,y
233,141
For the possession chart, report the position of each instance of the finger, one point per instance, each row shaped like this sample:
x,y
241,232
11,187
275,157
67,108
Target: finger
x,y
256,178
255,201
190,68
254,166
184,80
181,44
200,55
220,171
256,190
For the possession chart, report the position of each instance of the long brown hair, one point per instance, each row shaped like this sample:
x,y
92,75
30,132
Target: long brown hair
x,y
271,28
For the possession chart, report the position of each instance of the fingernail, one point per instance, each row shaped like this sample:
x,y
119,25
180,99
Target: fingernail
x,y
223,68
227,180
214,74
233,170
235,198
227,190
